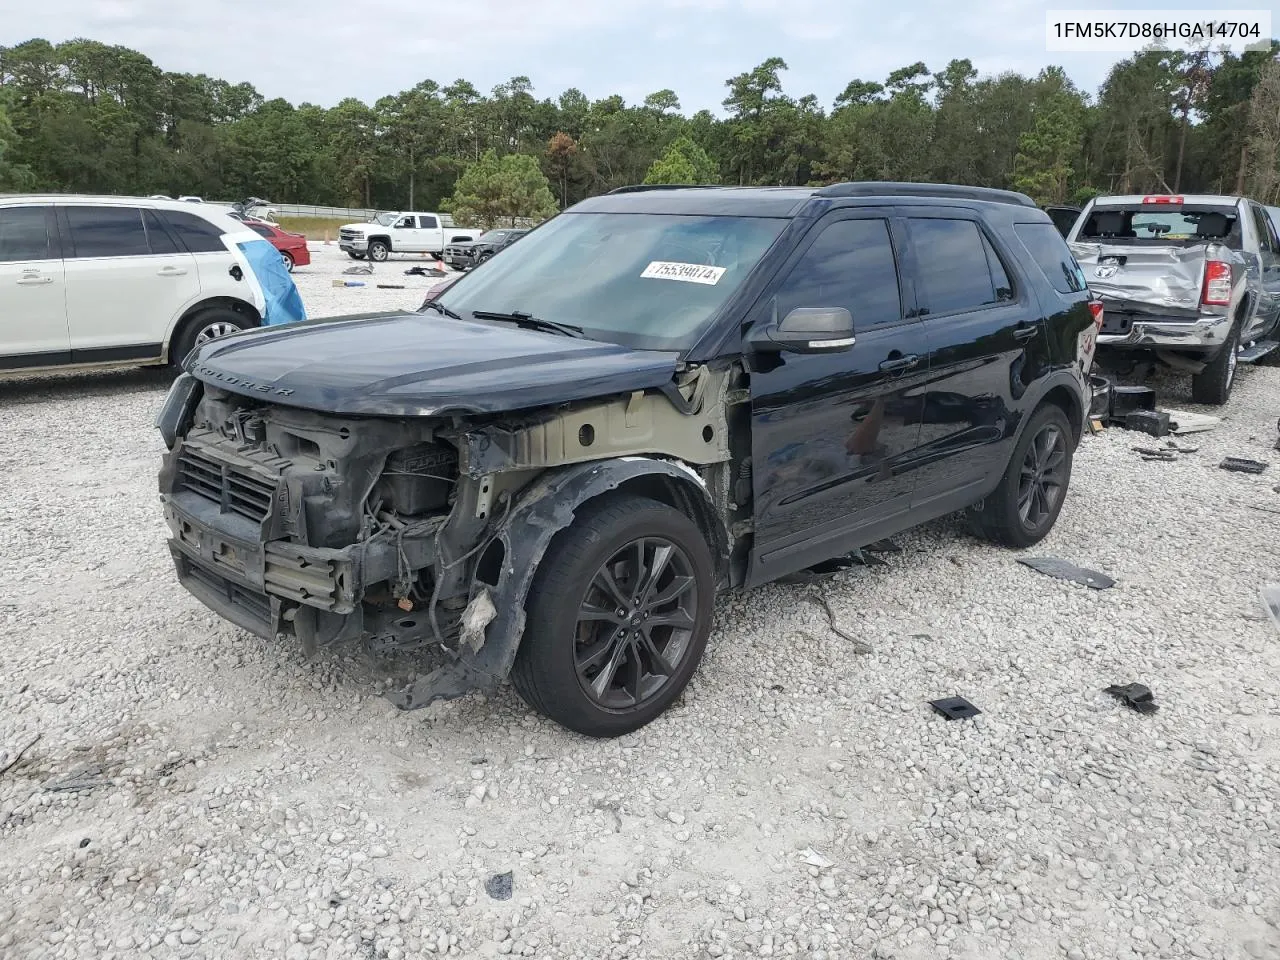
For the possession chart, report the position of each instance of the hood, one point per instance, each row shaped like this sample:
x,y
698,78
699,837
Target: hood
x,y
422,364
464,243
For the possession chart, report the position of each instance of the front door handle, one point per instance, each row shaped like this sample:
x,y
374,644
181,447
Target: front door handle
x,y
172,271
899,363
1025,331
32,279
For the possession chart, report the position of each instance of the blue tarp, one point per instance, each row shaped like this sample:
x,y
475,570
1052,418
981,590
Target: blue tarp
x,y
283,302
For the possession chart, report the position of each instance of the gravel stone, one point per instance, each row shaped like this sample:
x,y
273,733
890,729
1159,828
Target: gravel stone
x,y
246,802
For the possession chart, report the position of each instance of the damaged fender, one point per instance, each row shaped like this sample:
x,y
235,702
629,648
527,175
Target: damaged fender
x,y
542,511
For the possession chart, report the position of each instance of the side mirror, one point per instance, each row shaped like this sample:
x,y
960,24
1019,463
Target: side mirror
x,y
807,330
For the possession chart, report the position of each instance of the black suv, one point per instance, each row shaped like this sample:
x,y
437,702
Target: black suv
x,y
549,472
463,255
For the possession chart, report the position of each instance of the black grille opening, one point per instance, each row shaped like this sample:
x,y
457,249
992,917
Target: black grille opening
x,y
234,491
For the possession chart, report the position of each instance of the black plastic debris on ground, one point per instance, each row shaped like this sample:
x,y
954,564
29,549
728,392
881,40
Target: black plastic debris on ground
x,y
1153,422
1136,695
1164,455
1241,465
1065,570
500,886
955,708
1129,399
883,546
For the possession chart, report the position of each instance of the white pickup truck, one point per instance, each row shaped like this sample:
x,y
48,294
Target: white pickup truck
x,y
389,233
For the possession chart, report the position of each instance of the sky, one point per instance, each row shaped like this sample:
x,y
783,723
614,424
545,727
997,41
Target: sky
x,y
321,51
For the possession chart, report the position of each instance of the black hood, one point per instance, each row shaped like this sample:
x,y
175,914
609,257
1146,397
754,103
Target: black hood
x,y
422,364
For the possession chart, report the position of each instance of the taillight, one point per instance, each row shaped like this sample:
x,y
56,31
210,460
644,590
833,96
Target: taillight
x,y
1095,307
1217,284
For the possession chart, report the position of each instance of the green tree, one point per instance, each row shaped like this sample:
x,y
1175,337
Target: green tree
x,y
501,189
684,162
1049,153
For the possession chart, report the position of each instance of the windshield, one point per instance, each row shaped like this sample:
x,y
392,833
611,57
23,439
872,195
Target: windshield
x,y
1161,225
650,281
385,219
493,235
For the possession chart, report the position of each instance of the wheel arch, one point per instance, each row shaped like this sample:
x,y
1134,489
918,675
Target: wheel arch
x,y
546,508
1070,402
190,315
384,238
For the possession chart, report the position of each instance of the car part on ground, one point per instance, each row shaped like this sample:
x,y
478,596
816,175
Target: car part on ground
x,y
955,708
1243,465
496,466
1065,570
1138,696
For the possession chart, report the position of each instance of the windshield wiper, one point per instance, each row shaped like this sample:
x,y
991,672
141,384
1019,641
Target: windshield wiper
x,y
440,308
530,322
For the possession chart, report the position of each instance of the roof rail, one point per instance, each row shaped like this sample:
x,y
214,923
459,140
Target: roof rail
x,y
640,187
952,191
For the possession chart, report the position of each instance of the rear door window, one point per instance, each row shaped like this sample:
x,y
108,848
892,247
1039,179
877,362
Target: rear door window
x,y
24,234
957,267
1052,256
158,238
195,233
427,223
107,232
850,265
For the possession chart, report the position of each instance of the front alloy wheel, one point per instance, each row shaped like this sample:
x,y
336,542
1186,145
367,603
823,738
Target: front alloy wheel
x,y
635,623
617,617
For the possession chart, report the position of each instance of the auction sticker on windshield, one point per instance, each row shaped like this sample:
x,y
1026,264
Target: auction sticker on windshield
x,y
687,272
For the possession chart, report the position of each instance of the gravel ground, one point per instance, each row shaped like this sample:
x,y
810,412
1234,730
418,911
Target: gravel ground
x,y
195,792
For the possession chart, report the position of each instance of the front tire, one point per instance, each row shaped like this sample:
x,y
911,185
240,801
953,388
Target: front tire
x,y
205,326
1024,508
379,251
1212,385
618,617
288,260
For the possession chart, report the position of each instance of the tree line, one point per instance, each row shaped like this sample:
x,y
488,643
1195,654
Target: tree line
x,y
83,116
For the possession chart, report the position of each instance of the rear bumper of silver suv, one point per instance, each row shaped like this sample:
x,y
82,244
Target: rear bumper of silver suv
x,y
1126,330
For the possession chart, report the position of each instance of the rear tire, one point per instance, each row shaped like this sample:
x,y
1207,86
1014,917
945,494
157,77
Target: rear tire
x,y
1025,506
205,326
355,256
607,646
1212,386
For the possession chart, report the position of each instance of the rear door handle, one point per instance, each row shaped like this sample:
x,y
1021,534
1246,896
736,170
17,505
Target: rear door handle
x,y
899,363
172,271
1025,331
32,279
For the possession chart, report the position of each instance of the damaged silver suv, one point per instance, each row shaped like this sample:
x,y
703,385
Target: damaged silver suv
x,y
548,472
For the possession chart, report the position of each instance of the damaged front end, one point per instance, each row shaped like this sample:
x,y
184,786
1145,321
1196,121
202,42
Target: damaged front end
x,y
415,533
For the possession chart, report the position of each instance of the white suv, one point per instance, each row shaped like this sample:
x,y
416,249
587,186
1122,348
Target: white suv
x,y
118,281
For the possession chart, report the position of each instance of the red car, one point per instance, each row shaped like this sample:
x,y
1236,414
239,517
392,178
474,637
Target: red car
x,y
292,246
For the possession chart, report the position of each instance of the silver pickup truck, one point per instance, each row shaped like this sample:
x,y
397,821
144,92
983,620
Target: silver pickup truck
x,y
1192,281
